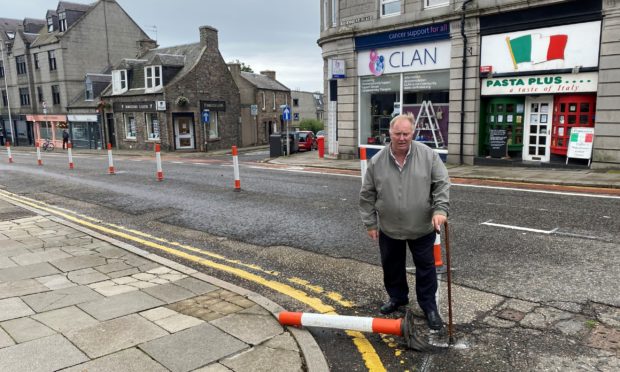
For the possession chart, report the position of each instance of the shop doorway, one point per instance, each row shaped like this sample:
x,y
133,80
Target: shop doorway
x,y
184,131
504,113
570,111
536,141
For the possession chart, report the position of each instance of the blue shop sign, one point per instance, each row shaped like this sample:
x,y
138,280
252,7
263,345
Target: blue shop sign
x,y
439,31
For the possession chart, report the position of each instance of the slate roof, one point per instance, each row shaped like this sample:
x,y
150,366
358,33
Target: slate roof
x,y
9,24
33,25
66,5
263,82
171,60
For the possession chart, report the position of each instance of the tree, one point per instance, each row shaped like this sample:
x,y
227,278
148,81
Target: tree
x,y
311,124
244,67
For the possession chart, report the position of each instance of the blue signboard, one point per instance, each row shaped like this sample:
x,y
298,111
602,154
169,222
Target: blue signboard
x,y
439,31
286,113
205,116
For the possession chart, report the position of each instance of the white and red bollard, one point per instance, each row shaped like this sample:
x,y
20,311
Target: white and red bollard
x,y
8,151
437,251
363,162
235,156
110,160
39,161
70,155
160,172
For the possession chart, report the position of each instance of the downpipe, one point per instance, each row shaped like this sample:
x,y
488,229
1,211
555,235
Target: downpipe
x,y
464,72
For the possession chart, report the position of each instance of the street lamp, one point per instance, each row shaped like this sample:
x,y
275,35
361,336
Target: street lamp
x,y
8,95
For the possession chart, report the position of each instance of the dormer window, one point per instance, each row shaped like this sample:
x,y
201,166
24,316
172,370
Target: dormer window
x,y
89,90
62,22
10,35
50,24
152,78
119,81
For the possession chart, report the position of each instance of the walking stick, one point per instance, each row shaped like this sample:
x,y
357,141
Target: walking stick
x,y
450,323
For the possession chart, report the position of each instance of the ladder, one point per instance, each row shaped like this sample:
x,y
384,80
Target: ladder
x,y
426,124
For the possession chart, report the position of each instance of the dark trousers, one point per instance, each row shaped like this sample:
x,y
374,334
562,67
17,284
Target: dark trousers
x,y
65,143
393,260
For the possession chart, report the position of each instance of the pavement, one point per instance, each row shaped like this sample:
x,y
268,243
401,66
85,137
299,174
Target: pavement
x,y
74,300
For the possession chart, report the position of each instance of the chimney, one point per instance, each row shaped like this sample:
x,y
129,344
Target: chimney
x,y
145,45
270,74
235,69
208,37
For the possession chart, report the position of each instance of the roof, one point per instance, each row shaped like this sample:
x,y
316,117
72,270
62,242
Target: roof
x,y
263,82
45,37
99,78
29,38
65,5
9,24
168,60
33,25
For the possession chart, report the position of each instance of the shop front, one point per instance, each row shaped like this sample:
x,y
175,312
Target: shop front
x,y
85,131
404,71
539,85
45,127
137,124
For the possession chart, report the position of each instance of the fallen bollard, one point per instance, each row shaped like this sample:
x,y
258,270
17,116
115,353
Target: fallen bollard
x,y
404,327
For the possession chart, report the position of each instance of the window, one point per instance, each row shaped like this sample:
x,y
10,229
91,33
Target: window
x,y
213,125
50,24
130,126
119,81
62,22
89,90
1,69
40,97
20,61
152,77
36,61
55,94
390,8
51,56
5,99
334,13
435,3
274,101
152,126
24,97
325,15
263,94
295,102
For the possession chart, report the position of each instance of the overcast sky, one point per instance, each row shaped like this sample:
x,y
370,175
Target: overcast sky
x,y
277,35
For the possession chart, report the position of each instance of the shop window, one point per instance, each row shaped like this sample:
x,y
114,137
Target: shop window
x,y
570,111
390,8
378,95
130,126
213,125
152,126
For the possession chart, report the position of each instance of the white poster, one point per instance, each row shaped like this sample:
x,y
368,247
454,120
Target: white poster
x,y
580,143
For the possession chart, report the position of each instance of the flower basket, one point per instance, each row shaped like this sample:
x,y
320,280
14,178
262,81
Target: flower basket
x,y
182,101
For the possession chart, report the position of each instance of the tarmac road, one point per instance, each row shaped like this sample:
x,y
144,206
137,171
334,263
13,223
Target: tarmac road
x,y
558,252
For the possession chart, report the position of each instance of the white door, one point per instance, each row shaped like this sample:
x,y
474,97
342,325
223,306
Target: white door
x,y
537,133
184,132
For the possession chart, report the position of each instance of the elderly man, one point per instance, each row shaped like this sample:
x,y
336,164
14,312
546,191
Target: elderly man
x,y
404,200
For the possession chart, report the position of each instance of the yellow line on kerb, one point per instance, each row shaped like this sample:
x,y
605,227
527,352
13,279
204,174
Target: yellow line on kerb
x,y
368,353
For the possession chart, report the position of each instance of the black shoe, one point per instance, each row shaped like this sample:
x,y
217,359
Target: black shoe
x,y
391,306
434,320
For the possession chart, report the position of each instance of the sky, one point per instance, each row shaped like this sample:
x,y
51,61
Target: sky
x,y
277,35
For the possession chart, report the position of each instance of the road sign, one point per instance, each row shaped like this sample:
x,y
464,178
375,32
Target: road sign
x,y
254,110
205,116
296,116
286,113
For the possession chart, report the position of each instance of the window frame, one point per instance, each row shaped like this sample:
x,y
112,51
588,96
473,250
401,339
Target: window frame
x,y
153,77
295,102
382,3
24,97
55,94
334,13
35,57
274,102
127,125
1,68
264,103
89,93
20,63
442,3
5,98
51,59
148,119
40,95
50,24
62,22
119,81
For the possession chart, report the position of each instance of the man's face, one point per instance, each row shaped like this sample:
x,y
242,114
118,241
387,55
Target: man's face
x,y
401,135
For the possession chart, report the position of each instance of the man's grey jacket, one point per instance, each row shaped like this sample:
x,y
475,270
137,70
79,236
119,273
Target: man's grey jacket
x,y
402,203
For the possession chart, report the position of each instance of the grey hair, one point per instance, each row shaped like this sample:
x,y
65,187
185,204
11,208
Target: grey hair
x,y
408,117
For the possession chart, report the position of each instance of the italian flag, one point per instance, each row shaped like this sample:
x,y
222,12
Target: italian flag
x,y
536,48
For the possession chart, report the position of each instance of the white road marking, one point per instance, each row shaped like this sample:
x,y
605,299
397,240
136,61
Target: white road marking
x,y
296,170
176,162
489,223
538,191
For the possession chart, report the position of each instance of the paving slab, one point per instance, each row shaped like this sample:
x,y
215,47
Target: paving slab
x,y
112,267
45,256
130,360
6,262
195,286
57,281
26,329
60,298
21,288
178,322
12,308
86,276
169,293
249,328
66,319
192,348
5,339
27,272
45,354
119,305
158,313
215,367
79,262
284,341
116,334
265,359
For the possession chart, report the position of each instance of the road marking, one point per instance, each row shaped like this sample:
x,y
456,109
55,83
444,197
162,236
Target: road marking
x,y
177,162
512,227
538,191
365,348
302,170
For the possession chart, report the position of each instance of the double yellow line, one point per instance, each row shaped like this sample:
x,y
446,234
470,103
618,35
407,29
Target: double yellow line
x,y
368,353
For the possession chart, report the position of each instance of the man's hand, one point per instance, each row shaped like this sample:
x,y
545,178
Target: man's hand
x,y
373,234
438,221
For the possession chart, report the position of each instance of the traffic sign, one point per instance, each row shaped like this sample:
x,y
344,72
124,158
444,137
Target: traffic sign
x,y
205,116
286,113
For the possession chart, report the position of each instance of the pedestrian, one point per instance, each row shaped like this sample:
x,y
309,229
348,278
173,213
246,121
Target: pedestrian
x,y
404,201
65,139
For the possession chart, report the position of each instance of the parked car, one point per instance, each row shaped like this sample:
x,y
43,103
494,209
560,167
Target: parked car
x,y
307,142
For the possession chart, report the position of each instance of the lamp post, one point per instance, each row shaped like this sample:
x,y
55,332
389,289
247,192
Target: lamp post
x,y
8,95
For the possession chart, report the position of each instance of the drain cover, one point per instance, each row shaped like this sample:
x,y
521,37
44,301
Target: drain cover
x,y
605,338
511,314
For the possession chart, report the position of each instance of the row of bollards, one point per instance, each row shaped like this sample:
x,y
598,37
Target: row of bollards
x,y
159,173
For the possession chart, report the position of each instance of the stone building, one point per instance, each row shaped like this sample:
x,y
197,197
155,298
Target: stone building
x,y
306,105
49,60
267,95
183,97
490,82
